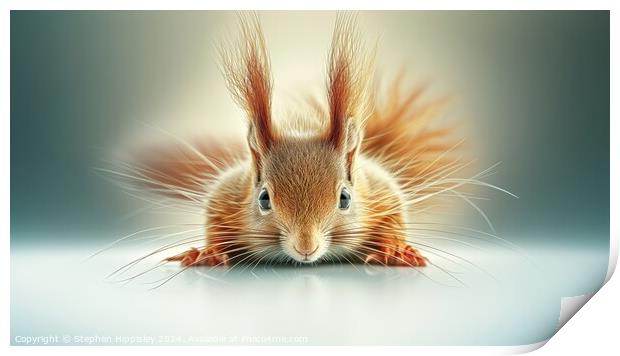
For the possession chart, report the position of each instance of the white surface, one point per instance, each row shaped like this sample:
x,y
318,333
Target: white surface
x,y
54,293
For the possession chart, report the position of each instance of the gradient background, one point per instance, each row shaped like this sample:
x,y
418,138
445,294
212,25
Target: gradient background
x,y
532,88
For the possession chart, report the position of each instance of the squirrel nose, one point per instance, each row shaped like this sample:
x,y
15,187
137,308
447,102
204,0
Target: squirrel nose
x,y
305,242
306,250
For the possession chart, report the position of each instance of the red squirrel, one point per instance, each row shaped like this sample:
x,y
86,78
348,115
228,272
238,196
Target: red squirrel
x,y
342,181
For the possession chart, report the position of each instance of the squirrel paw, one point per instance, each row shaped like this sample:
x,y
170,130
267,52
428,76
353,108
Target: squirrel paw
x,y
403,256
196,257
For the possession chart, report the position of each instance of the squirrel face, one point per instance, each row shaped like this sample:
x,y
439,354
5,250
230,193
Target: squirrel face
x,y
303,191
303,187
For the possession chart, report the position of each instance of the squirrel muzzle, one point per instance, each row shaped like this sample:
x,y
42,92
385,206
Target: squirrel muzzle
x,y
306,245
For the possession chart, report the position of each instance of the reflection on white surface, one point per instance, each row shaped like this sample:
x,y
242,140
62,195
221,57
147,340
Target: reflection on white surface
x,y
505,299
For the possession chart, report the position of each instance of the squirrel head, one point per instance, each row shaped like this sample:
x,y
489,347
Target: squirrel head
x,y
304,187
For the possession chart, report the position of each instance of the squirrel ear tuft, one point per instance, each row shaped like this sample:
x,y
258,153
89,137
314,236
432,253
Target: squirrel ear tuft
x,y
246,68
348,82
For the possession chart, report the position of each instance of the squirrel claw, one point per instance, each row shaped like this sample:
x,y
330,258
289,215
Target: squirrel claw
x,y
413,257
195,257
408,256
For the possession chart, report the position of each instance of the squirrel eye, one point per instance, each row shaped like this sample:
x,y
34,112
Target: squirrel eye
x,y
263,200
345,199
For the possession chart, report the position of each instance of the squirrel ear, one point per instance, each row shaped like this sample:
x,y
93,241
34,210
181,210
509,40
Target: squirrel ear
x,y
256,150
348,83
353,143
245,65
348,90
